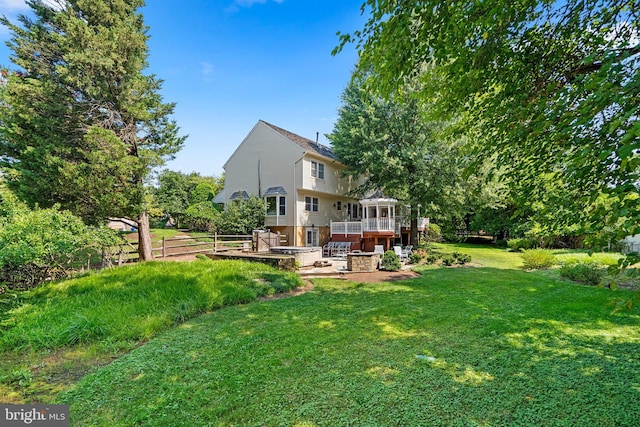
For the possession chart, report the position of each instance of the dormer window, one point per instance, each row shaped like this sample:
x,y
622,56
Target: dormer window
x,y
317,170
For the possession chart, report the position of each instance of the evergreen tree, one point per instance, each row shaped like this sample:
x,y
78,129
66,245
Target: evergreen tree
x,y
82,125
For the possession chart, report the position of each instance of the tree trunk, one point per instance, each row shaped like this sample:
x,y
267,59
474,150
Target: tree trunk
x,y
144,238
413,236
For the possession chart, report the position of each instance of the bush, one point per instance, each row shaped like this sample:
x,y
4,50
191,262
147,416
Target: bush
x,y
47,244
242,217
390,261
201,216
517,245
501,243
432,258
433,233
448,260
536,259
417,256
588,273
461,258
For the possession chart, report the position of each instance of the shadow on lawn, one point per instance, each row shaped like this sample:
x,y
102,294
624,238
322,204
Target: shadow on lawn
x,y
462,346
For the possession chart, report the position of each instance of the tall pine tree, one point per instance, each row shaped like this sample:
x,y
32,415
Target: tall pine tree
x,y
82,124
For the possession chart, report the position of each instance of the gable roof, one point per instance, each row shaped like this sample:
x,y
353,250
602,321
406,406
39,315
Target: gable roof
x,y
305,143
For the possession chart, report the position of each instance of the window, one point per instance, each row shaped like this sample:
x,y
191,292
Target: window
x,y
339,205
317,170
276,205
271,205
311,204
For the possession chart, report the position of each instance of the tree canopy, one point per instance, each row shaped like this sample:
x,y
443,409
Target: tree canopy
x,y
82,124
546,87
390,142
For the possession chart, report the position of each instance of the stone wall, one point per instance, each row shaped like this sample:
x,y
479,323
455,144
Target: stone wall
x,y
363,262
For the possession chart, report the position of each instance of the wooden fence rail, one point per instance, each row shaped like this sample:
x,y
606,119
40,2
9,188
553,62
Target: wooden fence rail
x,y
187,245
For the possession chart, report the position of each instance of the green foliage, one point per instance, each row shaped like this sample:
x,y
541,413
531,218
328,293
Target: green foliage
x,y
447,260
202,217
417,256
47,243
82,126
390,261
389,141
242,217
548,88
588,273
10,206
537,259
176,192
520,244
461,258
433,233
132,302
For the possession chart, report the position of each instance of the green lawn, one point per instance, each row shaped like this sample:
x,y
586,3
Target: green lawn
x,y
484,255
455,347
458,346
53,334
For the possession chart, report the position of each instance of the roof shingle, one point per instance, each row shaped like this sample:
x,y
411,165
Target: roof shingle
x,y
303,142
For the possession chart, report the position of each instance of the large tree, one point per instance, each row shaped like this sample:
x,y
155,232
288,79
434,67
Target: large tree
x,y
176,191
82,125
551,86
389,141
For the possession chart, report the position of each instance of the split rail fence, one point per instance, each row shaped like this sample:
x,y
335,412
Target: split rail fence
x,y
189,245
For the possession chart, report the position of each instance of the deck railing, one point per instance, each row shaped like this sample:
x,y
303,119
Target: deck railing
x,y
374,224
346,227
379,224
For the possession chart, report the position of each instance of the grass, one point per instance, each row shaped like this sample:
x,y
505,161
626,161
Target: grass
x,y
483,255
108,313
464,346
454,347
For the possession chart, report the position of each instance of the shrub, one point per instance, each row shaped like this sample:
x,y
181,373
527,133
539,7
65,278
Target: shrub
x,y
390,261
448,260
242,217
461,258
417,256
201,216
47,244
520,244
501,243
432,258
535,259
433,233
589,273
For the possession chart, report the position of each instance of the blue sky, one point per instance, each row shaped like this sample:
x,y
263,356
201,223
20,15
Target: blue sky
x,y
229,63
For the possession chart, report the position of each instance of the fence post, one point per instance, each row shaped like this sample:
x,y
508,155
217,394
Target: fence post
x,y
215,242
164,247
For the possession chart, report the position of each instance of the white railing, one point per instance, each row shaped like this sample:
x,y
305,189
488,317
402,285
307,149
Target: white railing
x,y
346,227
379,224
370,224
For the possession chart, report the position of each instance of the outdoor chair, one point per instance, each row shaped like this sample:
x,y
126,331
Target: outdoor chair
x,y
401,255
327,250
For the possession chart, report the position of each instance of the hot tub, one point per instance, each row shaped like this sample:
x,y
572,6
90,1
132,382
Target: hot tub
x,y
306,256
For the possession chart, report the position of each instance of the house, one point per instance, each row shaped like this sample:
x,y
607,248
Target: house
x,y
306,196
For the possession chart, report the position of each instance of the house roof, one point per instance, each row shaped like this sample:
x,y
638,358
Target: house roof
x,y
305,143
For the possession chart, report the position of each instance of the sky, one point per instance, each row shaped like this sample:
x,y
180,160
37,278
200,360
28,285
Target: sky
x,y
229,63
